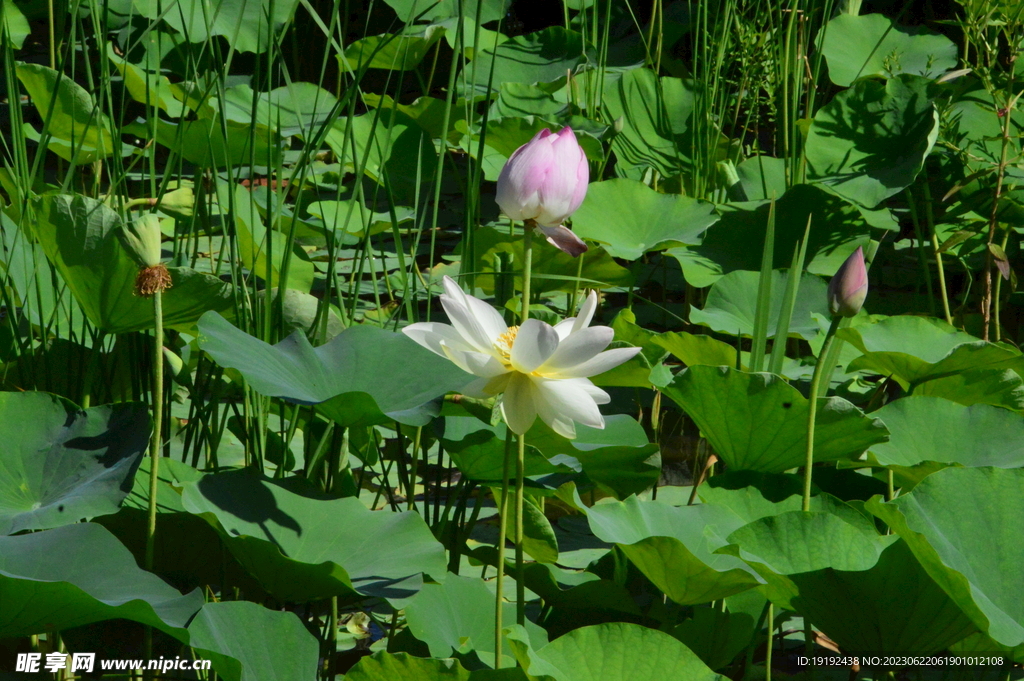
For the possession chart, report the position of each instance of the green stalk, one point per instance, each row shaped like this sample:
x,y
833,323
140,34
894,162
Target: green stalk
x,y
502,529
154,447
812,410
521,458
158,408
520,576
938,254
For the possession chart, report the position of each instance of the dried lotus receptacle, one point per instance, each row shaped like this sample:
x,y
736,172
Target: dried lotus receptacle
x,y
152,279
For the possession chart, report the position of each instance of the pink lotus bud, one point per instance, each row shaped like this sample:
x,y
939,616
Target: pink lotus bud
x,y
849,286
545,180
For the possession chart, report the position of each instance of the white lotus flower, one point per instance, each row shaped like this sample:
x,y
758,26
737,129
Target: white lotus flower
x,y
541,369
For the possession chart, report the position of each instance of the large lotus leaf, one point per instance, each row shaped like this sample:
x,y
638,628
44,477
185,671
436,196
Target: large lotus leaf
x,y
303,549
716,636
859,46
185,541
213,143
246,641
394,375
617,457
388,146
795,542
524,99
261,250
80,132
553,270
693,349
15,24
243,23
890,608
427,112
963,525
674,547
542,57
77,574
384,666
27,271
473,37
997,387
870,141
629,218
148,87
980,644
400,52
352,217
616,650
732,303
478,450
758,422
936,350
459,616
416,10
929,433
80,237
59,463
656,117
762,177
975,128
293,109
736,241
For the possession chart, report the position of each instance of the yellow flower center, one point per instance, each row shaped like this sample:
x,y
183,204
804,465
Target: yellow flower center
x,y
503,343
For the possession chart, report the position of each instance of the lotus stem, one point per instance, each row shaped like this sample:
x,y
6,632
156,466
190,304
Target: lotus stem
x,y
812,406
502,529
154,447
520,584
521,457
158,406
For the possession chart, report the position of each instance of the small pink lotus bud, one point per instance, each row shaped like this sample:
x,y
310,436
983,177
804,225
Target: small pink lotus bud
x,y
849,286
544,180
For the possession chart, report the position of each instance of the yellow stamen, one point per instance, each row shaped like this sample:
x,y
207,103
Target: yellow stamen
x,y
503,343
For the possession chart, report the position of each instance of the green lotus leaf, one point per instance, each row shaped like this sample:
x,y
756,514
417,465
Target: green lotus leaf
x,y
837,229
617,650
361,359
80,237
963,526
929,433
870,45
247,641
732,302
247,25
301,548
915,350
673,548
656,121
629,218
458,616
78,574
758,422
871,140
60,463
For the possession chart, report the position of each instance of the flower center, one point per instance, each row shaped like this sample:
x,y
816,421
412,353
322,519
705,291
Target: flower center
x,y
503,343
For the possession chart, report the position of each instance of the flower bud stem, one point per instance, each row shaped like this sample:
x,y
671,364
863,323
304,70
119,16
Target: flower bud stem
x,y
812,406
528,228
